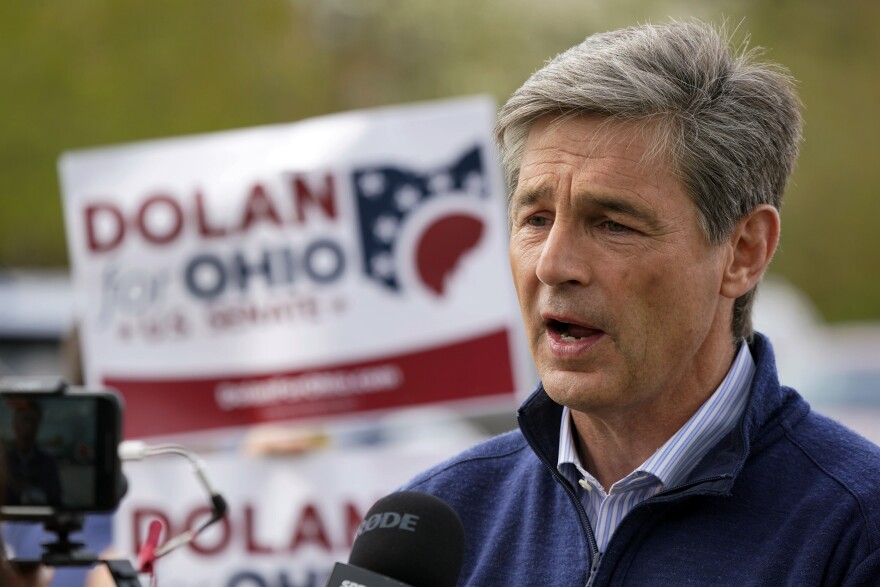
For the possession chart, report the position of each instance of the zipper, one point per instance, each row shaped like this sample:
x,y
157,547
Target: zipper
x,y
666,495
585,521
593,568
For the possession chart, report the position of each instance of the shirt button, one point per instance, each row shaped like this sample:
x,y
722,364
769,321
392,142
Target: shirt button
x,y
585,484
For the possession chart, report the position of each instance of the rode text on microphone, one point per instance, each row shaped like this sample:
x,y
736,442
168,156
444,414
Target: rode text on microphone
x,y
407,539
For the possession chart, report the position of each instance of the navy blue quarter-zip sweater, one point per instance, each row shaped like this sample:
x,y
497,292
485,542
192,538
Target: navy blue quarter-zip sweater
x,y
788,498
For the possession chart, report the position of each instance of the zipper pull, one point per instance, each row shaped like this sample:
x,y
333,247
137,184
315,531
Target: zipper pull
x,y
593,568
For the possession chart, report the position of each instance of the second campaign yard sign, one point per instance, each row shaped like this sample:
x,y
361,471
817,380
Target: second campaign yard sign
x,y
340,265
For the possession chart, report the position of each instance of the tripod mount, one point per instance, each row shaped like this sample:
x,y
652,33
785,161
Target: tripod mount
x,y
66,552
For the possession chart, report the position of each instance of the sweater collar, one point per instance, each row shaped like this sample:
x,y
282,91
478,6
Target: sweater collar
x,y
539,418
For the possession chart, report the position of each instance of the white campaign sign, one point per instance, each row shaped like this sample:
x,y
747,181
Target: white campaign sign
x,y
289,519
340,265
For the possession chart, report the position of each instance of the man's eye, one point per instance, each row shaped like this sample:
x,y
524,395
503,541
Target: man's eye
x,y
615,227
537,221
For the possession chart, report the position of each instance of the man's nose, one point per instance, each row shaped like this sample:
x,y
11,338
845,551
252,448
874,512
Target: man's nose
x,y
563,257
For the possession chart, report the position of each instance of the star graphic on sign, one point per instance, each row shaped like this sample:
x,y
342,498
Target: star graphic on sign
x,y
385,228
474,184
441,182
372,184
383,265
390,198
406,197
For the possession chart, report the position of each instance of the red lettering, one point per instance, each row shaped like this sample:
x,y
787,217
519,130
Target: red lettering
x,y
205,229
111,214
251,544
161,218
303,193
259,208
353,517
225,530
176,223
310,530
139,526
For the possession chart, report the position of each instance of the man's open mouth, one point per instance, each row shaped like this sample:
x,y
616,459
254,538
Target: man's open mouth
x,y
568,332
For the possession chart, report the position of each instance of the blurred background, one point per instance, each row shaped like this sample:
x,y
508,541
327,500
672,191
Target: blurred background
x,y
96,72
101,72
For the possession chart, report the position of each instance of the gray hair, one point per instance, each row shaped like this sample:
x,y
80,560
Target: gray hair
x,y
729,125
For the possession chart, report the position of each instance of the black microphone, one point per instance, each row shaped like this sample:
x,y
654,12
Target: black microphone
x,y
407,539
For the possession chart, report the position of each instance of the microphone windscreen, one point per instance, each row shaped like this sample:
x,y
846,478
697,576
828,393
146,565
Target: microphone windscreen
x,y
412,537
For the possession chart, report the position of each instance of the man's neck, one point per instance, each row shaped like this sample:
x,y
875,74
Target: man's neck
x,y
610,451
612,445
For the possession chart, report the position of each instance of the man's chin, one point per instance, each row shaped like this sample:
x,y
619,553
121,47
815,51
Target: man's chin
x,y
578,391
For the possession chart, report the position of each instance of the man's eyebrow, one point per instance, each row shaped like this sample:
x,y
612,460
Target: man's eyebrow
x,y
528,197
626,208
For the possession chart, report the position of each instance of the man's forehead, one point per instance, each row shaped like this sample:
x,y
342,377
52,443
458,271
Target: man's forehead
x,y
558,145
643,141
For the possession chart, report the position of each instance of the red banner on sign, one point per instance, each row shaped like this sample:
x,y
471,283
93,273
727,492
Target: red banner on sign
x,y
168,406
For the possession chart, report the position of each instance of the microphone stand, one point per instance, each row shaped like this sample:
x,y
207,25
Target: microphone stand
x,y
65,552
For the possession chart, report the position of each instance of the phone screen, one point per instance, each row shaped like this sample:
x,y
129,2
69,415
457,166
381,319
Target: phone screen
x,y
56,450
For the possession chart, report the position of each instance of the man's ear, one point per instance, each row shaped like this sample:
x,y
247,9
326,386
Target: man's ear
x,y
752,245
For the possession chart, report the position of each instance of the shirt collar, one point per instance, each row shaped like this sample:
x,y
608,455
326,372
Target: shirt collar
x,y
672,462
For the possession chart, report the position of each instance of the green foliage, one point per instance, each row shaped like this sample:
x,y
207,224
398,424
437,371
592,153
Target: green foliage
x,y
830,246
92,72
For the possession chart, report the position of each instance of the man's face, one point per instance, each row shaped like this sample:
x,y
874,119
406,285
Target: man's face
x,y
618,287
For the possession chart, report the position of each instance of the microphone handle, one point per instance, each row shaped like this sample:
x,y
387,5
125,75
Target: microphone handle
x,y
344,575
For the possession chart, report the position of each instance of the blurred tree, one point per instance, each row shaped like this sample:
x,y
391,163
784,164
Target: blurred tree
x,y
97,72
829,245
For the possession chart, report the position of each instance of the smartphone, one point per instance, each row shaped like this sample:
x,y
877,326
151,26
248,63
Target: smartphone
x,y
59,452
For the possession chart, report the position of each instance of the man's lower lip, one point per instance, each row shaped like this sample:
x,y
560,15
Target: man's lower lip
x,y
569,348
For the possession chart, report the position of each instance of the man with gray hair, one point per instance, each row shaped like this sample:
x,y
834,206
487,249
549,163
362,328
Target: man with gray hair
x,y
646,168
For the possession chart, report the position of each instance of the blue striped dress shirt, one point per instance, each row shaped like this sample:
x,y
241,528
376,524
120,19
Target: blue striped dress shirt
x,y
670,464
